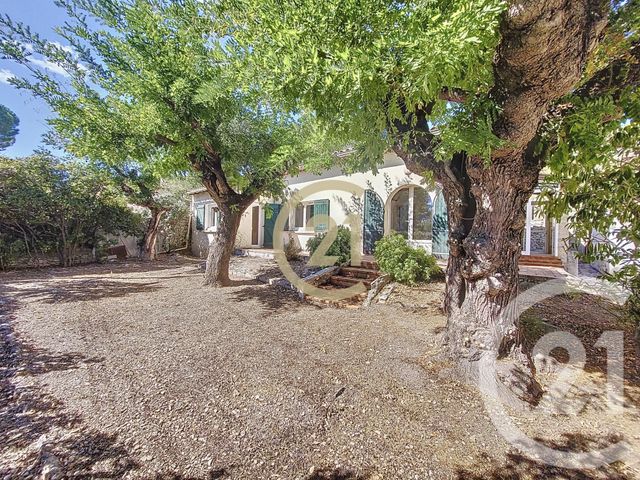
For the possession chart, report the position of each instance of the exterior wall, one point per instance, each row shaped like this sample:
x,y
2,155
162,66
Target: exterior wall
x,y
200,239
390,178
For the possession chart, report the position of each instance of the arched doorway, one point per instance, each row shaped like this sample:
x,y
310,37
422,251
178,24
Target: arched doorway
x,y
410,213
440,246
373,221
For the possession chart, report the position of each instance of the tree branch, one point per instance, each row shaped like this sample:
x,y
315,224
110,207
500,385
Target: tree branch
x,y
620,74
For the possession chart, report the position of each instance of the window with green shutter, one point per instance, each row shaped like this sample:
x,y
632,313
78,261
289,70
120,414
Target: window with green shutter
x,y
200,217
321,215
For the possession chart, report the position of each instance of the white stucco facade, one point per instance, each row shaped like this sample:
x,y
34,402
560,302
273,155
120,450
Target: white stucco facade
x,y
391,178
408,204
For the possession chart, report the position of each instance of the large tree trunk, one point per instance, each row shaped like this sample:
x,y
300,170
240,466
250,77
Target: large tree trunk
x,y
482,274
149,251
221,248
543,51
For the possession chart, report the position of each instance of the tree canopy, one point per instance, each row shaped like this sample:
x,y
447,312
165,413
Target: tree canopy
x,y
150,81
8,127
53,207
368,67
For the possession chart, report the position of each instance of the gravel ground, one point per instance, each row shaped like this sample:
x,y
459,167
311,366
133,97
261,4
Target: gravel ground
x,y
138,371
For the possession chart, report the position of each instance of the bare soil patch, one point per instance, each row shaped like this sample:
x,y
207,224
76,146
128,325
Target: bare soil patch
x,y
138,371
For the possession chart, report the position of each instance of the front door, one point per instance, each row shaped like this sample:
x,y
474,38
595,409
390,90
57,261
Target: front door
x,y
255,225
373,222
440,227
270,216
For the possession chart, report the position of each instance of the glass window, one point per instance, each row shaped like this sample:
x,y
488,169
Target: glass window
x,y
422,214
214,215
400,212
309,213
200,217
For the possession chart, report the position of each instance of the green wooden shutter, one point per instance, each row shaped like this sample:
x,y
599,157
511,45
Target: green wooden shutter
x,y
200,217
321,215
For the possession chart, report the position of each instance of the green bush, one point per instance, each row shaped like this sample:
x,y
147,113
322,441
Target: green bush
x,y
404,263
341,247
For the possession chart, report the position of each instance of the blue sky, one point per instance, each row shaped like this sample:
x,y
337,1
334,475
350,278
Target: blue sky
x,y
41,16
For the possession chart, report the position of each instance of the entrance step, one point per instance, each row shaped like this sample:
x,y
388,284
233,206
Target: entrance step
x,y
346,282
359,272
540,261
346,277
369,265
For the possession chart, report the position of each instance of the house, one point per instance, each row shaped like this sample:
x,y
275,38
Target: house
x,y
390,200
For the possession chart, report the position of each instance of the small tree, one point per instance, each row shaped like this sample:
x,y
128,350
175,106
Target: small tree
x,y
8,127
152,81
141,188
49,206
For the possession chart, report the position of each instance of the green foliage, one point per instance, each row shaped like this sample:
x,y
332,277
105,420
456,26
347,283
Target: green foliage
x,y
341,247
8,127
593,156
594,180
151,82
51,207
402,262
362,66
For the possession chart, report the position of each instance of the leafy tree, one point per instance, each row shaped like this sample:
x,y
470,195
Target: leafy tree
x,y
151,82
462,90
8,127
141,188
53,207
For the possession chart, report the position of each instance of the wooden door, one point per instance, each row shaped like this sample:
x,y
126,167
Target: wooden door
x,y
255,225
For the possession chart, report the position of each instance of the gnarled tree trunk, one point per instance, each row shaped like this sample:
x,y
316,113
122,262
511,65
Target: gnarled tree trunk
x,y
221,248
149,251
232,205
540,58
482,274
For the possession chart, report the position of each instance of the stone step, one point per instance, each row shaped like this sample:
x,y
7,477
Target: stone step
x,y
369,265
359,272
345,282
540,261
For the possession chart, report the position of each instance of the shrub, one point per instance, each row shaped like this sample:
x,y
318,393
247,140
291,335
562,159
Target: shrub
x,y
402,262
341,247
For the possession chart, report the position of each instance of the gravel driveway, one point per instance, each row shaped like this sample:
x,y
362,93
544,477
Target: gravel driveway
x,y
138,371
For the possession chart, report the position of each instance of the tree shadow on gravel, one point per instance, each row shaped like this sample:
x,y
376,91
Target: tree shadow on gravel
x,y
336,474
273,299
130,265
518,466
36,433
214,474
69,291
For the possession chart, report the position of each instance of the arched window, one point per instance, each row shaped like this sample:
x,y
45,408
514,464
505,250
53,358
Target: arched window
x,y
400,212
411,213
